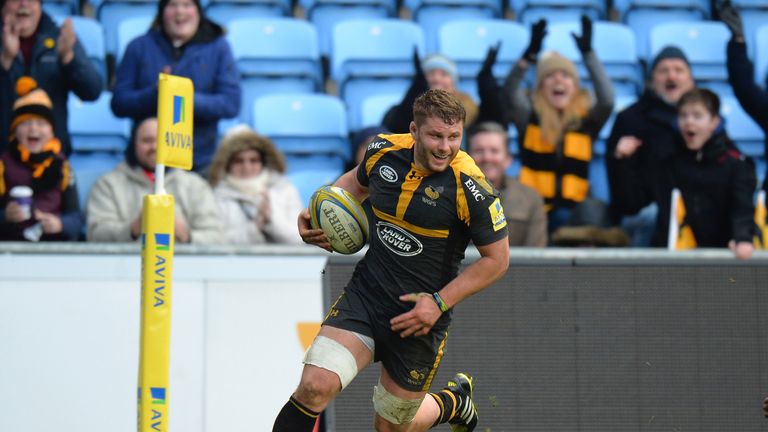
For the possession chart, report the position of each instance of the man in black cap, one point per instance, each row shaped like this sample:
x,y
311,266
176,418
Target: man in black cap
x,y
643,136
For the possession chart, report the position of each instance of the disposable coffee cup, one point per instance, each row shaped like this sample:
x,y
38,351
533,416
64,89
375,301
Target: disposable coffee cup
x,y
22,195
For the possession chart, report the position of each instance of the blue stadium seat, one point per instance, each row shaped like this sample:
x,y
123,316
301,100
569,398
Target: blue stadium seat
x,y
91,36
224,12
761,54
60,9
303,123
613,43
625,7
111,14
704,43
466,42
308,181
93,127
598,179
641,21
325,14
128,30
274,55
753,19
374,108
88,167
296,162
374,49
432,14
371,57
741,128
529,11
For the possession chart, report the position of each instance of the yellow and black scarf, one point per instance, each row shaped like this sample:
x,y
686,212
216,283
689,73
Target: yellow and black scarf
x,y
49,168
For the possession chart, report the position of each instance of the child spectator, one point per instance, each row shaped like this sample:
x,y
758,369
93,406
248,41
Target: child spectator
x,y
33,45
37,189
258,203
181,41
716,182
558,123
115,201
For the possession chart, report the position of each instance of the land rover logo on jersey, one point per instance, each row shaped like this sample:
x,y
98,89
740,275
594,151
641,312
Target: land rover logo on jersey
x,y
387,173
397,240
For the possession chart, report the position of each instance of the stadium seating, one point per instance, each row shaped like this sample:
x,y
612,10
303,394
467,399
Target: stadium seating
x,y
325,14
761,55
93,127
374,108
641,22
58,9
627,7
303,124
274,55
741,128
373,57
704,43
614,45
225,11
753,19
88,167
91,36
112,14
309,180
529,11
466,42
432,14
128,30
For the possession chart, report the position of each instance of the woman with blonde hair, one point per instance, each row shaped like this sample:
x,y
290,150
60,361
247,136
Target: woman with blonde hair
x,y
558,123
257,201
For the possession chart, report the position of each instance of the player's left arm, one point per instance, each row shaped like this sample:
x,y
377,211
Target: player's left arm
x,y
493,263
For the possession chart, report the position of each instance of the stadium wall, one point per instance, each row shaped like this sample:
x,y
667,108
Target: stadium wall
x,y
570,340
602,341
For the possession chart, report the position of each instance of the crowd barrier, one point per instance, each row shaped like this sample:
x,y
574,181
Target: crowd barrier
x,y
586,340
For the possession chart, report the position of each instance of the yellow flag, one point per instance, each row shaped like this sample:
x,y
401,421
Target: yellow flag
x,y
175,108
761,220
157,242
680,233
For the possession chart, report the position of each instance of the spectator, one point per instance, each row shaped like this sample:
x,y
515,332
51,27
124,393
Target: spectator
x,y
741,74
558,123
643,138
115,201
257,201
33,45
181,41
523,207
715,180
37,190
440,72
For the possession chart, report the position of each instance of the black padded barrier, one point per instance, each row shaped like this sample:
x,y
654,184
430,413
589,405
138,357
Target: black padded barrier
x,y
649,342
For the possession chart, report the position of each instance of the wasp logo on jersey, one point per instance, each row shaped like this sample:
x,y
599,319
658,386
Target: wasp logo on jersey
x,y
497,215
432,194
388,173
398,240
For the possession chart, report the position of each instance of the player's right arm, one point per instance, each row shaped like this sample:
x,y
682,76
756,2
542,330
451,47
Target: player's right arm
x,y
349,182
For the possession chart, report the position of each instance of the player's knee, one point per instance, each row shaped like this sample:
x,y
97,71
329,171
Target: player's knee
x,y
393,413
316,391
332,356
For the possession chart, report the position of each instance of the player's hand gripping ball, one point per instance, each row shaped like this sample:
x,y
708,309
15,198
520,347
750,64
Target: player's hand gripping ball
x,y
341,218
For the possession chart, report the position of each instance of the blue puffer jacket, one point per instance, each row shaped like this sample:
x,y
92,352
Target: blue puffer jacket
x,y
206,59
79,76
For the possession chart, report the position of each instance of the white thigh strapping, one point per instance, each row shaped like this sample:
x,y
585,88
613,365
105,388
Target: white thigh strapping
x,y
393,409
328,354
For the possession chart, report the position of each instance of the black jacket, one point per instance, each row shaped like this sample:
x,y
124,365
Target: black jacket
x,y
79,77
637,181
752,98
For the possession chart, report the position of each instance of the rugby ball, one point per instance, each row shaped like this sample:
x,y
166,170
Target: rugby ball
x,y
341,218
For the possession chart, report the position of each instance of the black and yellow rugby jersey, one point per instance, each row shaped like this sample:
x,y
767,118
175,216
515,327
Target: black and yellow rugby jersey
x,y
422,223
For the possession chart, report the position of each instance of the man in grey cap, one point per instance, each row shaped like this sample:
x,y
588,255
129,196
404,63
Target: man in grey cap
x,y
643,136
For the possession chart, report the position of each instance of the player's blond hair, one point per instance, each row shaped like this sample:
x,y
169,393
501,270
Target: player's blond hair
x,y
441,104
